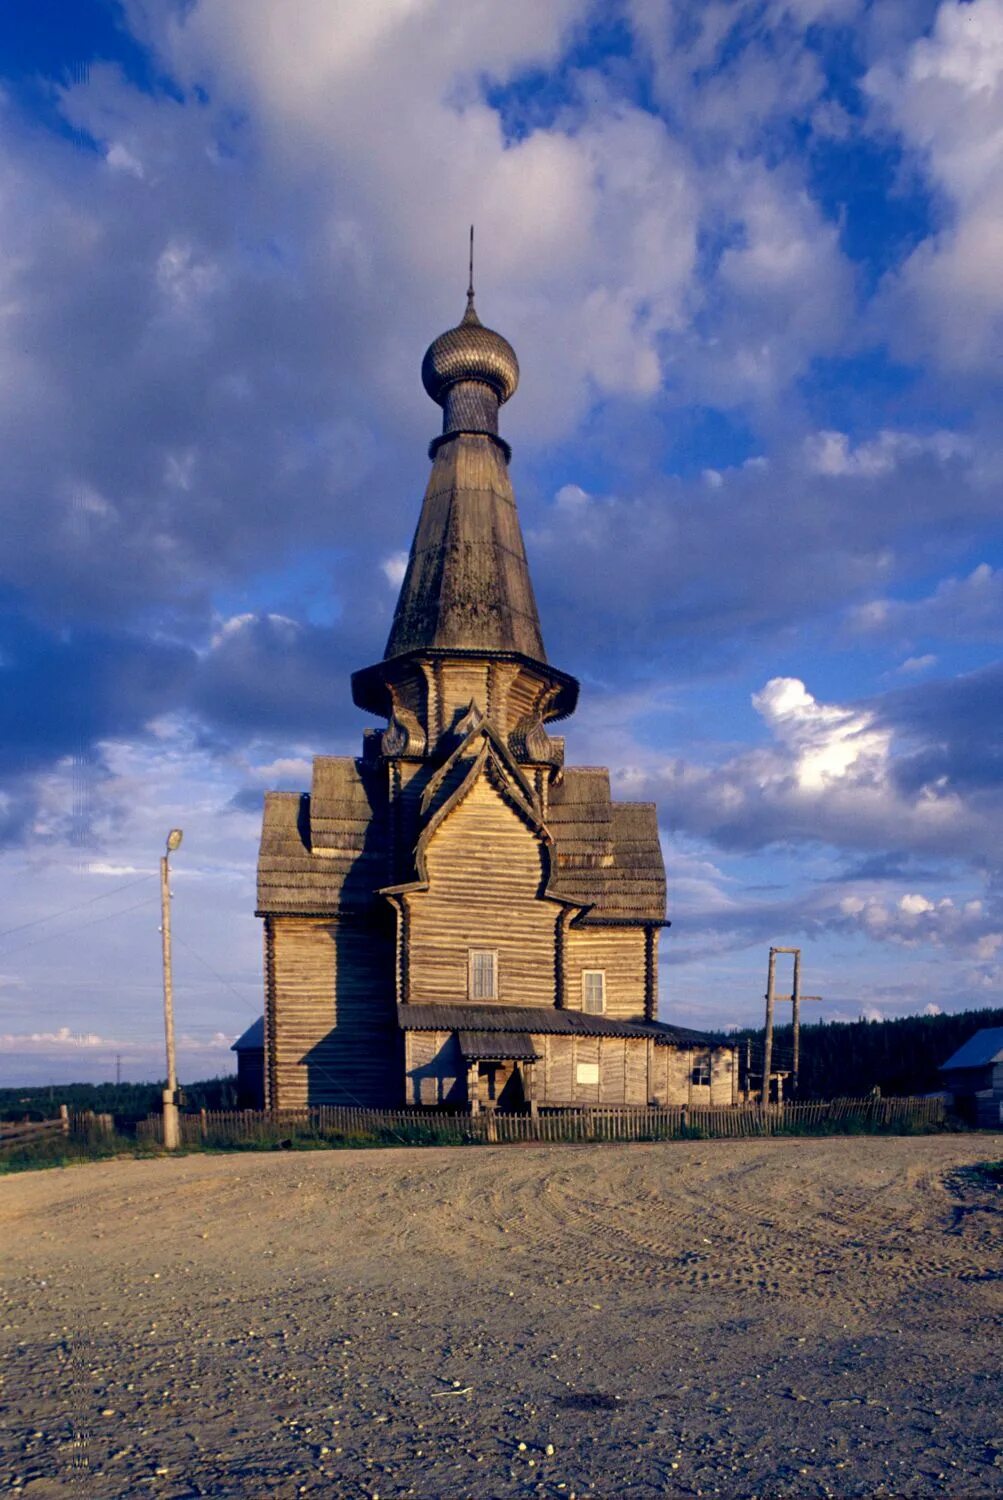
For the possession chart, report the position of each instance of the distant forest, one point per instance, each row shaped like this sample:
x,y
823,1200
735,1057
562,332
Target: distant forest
x,y
847,1059
838,1060
133,1100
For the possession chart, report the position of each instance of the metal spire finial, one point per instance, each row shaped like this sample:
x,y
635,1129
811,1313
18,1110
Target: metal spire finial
x,y
471,311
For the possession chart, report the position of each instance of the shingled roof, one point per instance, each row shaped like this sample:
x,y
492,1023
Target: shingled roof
x,y
331,851
608,853
544,1021
327,852
980,1050
467,583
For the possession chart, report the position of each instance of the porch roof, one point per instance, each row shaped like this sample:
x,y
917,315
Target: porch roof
x,y
543,1021
497,1046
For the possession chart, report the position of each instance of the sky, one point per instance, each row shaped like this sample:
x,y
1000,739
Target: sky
x,y
748,254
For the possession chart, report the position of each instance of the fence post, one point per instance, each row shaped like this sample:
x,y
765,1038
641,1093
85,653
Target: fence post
x,y
64,1119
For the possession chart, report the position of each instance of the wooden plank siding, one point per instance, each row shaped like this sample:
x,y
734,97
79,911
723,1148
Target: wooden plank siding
x,y
434,1070
576,1072
485,872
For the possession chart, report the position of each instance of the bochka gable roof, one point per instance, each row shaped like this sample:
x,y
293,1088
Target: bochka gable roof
x,y
545,1021
608,853
980,1051
329,852
326,852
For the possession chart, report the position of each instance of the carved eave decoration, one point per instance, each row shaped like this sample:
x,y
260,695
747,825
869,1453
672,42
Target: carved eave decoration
x,y
488,756
372,687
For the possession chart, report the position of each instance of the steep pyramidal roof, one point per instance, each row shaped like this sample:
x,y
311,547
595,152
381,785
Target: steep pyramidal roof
x,y
467,585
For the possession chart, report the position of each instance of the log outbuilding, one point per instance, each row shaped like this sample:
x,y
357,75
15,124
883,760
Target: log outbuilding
x,y
974,1077
456,918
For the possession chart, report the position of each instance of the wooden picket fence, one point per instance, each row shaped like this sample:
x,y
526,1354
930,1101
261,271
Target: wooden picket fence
x,y
426,1126
84,1125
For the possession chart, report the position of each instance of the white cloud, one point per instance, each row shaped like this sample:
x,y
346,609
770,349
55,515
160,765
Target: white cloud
x,y
827,743
959,608
914,664
832,454
944,94
243,624
122,160
914,920
393,568
571,497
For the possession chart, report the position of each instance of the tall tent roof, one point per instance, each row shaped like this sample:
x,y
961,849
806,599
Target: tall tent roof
x,y
467,585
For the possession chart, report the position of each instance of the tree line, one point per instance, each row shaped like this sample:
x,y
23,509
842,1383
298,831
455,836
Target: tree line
x,y
846,1059
130,1100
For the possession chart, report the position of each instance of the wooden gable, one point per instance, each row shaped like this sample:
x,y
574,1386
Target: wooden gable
x,y
485,868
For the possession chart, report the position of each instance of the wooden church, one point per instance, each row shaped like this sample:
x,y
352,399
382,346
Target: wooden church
x,y
457,918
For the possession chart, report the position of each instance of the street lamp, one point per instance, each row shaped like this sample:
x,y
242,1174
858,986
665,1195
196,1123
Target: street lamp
x,y
172,1123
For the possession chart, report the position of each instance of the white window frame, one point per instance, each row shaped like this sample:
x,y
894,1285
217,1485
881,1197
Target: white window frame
x,y
588,974
701,1065
474,954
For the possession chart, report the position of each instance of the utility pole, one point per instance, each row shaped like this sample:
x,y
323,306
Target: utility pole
x,y
768,1032
796,998
118,1068
172,1124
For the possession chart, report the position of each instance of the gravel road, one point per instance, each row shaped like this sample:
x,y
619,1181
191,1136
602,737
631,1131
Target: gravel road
x,y
788,1317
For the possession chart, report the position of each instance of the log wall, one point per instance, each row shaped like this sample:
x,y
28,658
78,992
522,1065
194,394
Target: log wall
x,y
576,1071
332,1032
619,952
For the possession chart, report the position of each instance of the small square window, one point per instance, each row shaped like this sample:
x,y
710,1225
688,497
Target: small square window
x,y
483,974
701,1071
594,991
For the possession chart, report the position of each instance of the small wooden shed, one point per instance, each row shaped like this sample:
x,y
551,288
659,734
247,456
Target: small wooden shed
x,y
250,1050
974,1076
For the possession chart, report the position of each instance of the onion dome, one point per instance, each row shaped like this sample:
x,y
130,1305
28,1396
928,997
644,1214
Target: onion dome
x,y
470,352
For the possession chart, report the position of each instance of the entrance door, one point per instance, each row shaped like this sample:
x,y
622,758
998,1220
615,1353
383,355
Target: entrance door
x,y
500,1086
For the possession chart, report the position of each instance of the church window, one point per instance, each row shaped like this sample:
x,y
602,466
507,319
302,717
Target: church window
x,y
594,991
483,974
701,1069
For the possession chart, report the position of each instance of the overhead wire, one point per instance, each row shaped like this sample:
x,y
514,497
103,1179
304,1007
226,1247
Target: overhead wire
x,y
68,910
79,927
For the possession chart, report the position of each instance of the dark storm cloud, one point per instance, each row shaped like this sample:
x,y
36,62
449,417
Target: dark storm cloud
x,y
274,678
185,398
61,691
889,865
954,728
693,573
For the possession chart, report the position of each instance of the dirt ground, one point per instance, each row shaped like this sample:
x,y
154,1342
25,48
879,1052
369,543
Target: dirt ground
x,y
778,1318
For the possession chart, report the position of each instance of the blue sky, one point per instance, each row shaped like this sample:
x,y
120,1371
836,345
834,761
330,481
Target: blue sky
x,y
748,255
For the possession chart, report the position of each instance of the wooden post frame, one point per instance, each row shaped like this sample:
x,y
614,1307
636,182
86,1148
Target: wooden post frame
x,y
768,1031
